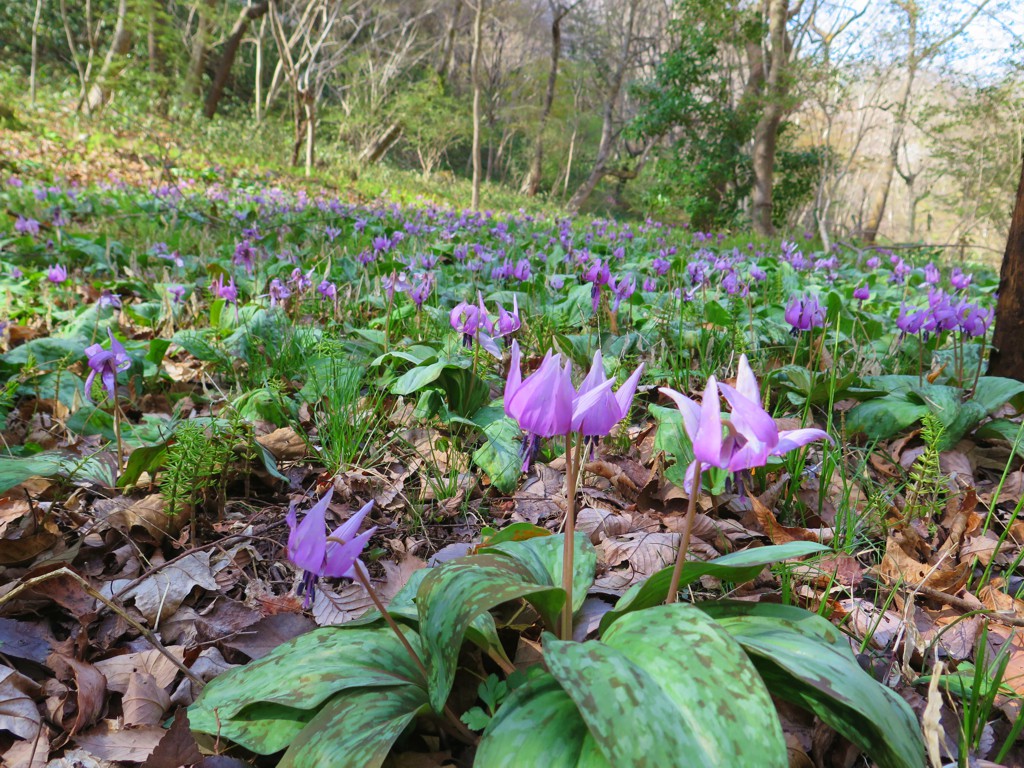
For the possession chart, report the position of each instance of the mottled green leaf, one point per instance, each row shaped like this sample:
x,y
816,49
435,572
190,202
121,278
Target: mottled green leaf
x,y
304,672
537,725
542,556
806,660
14,470
884,416
450,597
417,378
499,455
720,699
735,567
356,729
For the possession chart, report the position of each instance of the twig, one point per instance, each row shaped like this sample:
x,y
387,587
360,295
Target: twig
x,y
150,637
958,602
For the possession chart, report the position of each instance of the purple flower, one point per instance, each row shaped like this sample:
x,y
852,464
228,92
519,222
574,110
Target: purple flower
x,y
106,363
25,226
753,433
973,320
245,255
622,289
596,409
396,284
15,273
309,548
278,292
301,281
522,271
960,280
557,282
542,404
661,266
758,274
805,312
911,320
508,322
874,262
332,233
862,293
421,288
703,425
176,292
227,292
56,274
931,274
108,299
327,290
650,284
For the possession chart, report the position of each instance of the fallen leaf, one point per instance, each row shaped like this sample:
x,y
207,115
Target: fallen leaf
x,y
145,701
264,636
178,746
160,594
330,607
111,741
90,688
119,669
18,713
24,640
285,444
641,553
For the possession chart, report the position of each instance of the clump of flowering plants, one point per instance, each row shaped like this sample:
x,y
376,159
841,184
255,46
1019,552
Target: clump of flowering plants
x,y
662,683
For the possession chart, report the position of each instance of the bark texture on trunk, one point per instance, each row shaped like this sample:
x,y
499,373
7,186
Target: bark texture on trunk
x,y
531,184
197,60
227,58
120,45
1007,357
766,132
604,149
478,25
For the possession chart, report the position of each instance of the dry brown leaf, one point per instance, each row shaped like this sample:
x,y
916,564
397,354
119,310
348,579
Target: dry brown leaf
x,y
18,713
32,753
178,746
832,570
601,523
397,575
866,619
145,702
899,566
331,607
119,669
148,518
634,557
24,543
160,594
782,534
90,692
285,444
110,741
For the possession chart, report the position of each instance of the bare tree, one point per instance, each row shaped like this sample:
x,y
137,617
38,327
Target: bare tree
x,y
609,128
116,59
478,27
227,58
559,10
919,52
34,68
1007,357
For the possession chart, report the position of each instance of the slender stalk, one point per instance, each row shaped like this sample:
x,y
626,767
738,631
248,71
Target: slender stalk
x,y
569,531
117,437
684,542
362,577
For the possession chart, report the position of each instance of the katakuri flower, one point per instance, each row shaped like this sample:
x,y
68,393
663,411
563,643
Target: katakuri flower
x,y
310,549
106,363
805,312
596,409
703,425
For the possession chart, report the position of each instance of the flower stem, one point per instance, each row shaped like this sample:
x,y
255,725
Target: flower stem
x,y
117,437
363,578
684,542
569,531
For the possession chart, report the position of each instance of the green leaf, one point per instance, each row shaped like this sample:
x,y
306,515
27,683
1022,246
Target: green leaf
x,y
720,699
145,459
417,378
499,456
450,597
466,392
542,556
301,674
806,660
538,725
356,729
14,471
884,416
735,567
993,392
673,684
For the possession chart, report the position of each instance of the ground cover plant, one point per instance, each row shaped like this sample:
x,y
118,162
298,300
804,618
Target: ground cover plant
x,y
290,479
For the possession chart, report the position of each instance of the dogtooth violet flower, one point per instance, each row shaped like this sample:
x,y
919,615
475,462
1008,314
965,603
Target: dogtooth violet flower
x,y
106,363
753,432
703,425
309,548
546,404
56,274
805,312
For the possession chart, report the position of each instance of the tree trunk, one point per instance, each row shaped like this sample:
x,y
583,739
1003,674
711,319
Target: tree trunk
x,y
766,132
604,149
478,26
377,148
35,52
197,62
120,45
531,184
227,59
448,51
1007,357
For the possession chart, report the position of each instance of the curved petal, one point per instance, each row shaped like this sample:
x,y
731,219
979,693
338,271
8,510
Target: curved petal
x,y
792,439
515,377
542,404
350,527
595,376
689,410
595,412
624,397
746,382
307,543
750,419
707,447
340,558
